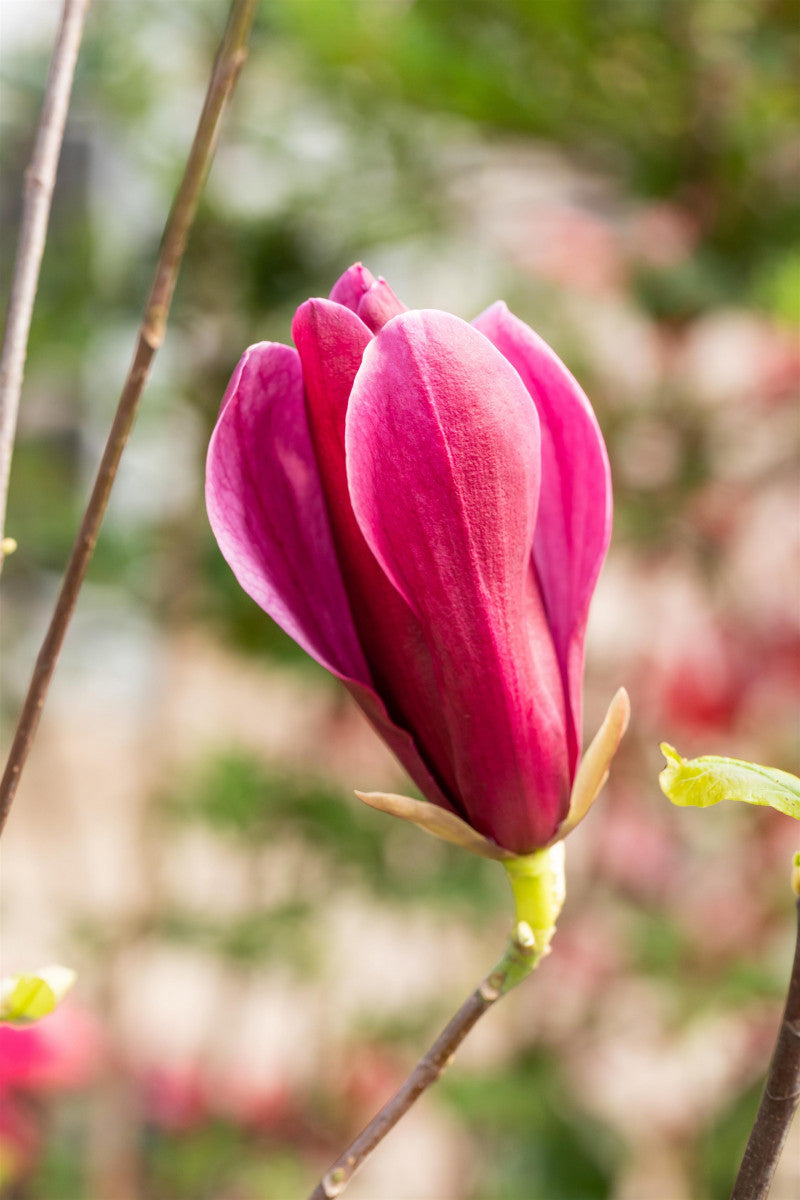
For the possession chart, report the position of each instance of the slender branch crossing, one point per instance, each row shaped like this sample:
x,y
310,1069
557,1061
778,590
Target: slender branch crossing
x,y
229,61
40,179
779,1100
519,960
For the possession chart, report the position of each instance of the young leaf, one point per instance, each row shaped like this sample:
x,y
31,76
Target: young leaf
x,y
27,998
704,781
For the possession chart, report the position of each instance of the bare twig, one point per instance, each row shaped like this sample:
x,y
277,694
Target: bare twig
x,y
780,1099
520,958
40,179
229,60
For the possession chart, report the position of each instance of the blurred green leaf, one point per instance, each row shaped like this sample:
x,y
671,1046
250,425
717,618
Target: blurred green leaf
x,y
700,782
719,1146
283,934
28,998
778,287
197,1164
534,1140
238,795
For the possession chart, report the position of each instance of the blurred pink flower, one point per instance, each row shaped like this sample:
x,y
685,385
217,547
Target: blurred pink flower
x,y
663,235
176,1098
59,1053
20,1139
574,248
424,506
636,849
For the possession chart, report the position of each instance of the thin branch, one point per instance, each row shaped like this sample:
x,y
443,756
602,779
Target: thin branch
x,y
40,179
229,61
518,961
780,1099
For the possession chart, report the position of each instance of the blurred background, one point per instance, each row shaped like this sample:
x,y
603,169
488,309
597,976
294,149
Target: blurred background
x,y
261,960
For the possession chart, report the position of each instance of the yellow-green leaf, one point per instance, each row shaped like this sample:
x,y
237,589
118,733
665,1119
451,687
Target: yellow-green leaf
x,y
27,998
707,780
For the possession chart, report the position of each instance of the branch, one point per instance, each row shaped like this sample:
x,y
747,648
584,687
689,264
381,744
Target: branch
x,y
780,1098
40,179
229,60
519,960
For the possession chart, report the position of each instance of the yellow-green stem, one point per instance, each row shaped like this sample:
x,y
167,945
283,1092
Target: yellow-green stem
x,y
537,881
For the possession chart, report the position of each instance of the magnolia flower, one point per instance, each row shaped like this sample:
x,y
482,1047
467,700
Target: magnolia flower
x,y
424,506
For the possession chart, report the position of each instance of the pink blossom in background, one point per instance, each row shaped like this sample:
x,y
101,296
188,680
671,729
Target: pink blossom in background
x,y
176,1098
59,1053
424,505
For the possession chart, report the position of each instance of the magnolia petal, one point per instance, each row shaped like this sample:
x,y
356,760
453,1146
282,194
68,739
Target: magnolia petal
x,y
594,766
443,469
707,780
435,820
331,342
573,525
267,510
400,742
379,305
351,287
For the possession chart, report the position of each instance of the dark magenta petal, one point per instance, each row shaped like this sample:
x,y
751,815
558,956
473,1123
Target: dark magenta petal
x,y
268,514
400,742
573,526
443,466
351,287
379,305
331,341
267,510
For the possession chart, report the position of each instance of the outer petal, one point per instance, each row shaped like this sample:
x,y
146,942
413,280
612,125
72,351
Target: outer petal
x,y
352,286
443,466
331,341
267,511
574,522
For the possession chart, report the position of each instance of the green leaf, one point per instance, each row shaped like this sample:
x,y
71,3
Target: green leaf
x,y
27,998
704,781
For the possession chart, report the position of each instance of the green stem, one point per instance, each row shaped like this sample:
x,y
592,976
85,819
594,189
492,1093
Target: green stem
x,y
537,881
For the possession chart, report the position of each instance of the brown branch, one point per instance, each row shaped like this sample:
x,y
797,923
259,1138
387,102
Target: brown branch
x,y
779,1100
40,179
229,60
518,961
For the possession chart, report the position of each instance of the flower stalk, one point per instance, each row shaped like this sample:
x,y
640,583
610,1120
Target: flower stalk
x,y
40,179
780,1097
228,64
537,882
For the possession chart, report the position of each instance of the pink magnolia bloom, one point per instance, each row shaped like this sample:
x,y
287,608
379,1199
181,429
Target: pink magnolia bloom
x,y
424,506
